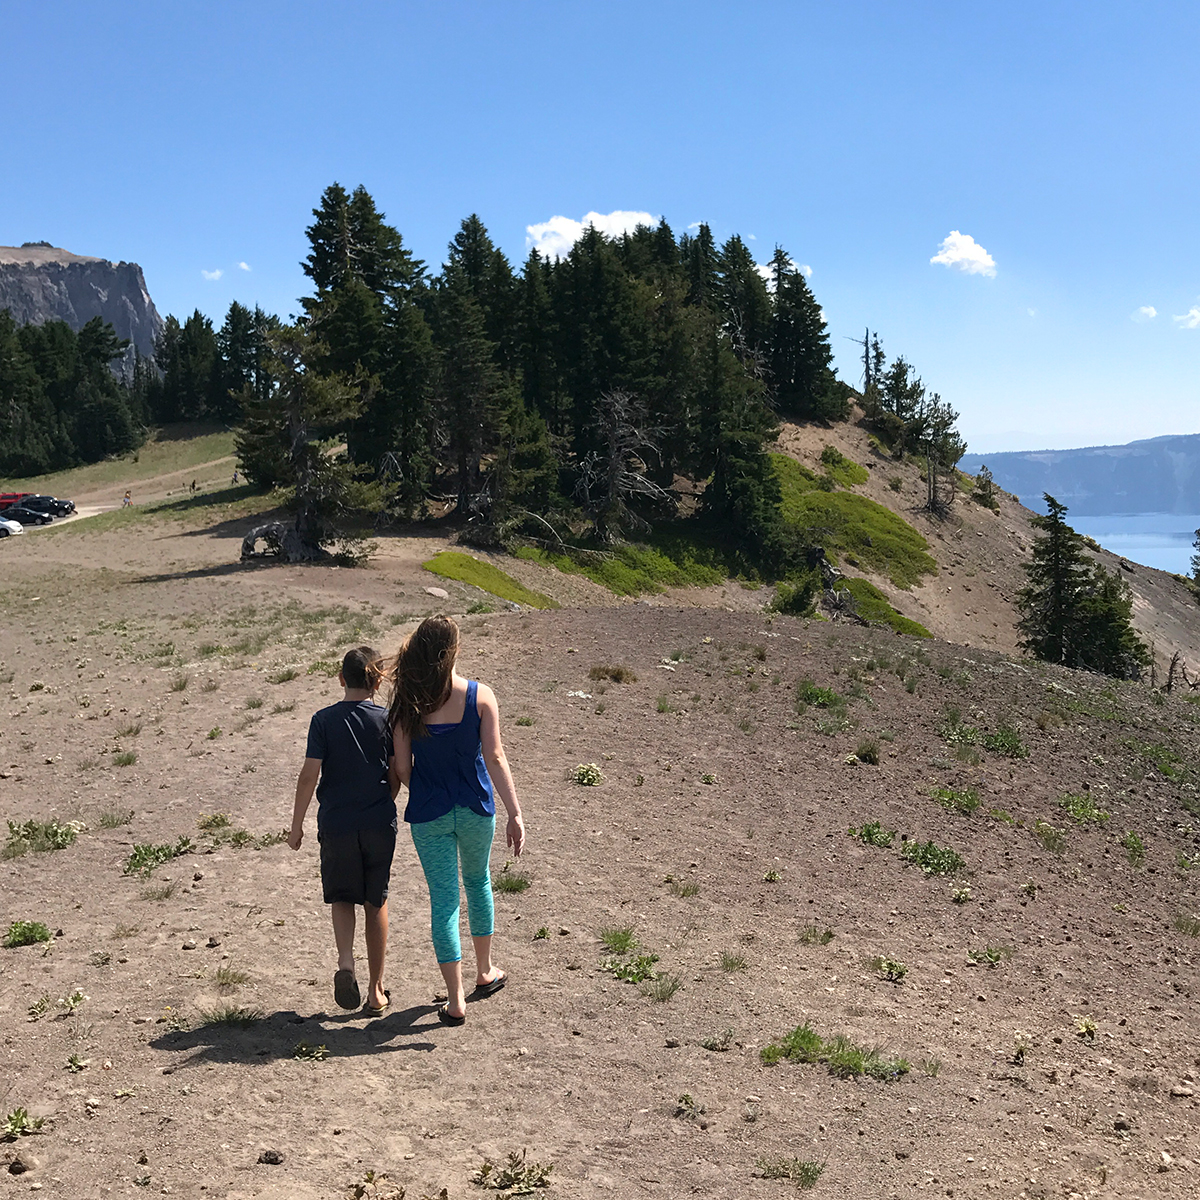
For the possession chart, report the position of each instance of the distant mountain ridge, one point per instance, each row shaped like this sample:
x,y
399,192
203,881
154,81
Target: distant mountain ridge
x,y
40,282
1160,474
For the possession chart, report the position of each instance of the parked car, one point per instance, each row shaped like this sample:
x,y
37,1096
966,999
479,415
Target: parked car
x,y
8,528
51,505
26,516
7,498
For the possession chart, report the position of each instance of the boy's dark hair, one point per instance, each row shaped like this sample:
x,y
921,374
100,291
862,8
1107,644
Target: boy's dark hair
x,y
363,668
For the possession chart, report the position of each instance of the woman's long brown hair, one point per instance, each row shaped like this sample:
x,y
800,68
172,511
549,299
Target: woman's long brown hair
x,y
421,679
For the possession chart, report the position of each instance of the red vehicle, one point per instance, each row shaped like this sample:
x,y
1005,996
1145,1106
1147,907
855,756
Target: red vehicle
x,y
7,498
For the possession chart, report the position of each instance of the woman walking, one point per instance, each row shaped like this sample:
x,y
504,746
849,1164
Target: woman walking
x,y
446,738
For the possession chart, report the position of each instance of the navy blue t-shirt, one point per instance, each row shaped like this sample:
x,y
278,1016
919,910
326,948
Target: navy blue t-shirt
x,y
354,744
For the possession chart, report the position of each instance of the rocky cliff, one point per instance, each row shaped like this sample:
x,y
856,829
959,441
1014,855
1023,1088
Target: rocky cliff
x,y
39,282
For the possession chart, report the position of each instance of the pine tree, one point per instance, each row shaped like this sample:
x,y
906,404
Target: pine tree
x,y
744,303
799,358
488,278
701,262
285,441
985,489
1196,558
28,417
541,385
1073,612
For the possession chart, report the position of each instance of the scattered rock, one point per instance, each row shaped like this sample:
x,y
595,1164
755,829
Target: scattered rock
x,y
1122,1125
672,1043
271,1157
563,931
440,593
199,875
22,1163
213,943
1182,1089
189,944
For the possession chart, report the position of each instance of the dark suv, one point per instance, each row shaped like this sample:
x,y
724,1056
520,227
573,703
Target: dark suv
x,y
51,505
26,516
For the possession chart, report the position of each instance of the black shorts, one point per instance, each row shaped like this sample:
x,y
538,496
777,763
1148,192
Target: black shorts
x,y
355,867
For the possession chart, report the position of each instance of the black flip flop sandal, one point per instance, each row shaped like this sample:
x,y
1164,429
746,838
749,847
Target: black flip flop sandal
x,y
345,989
490,989
372,1011
446,1019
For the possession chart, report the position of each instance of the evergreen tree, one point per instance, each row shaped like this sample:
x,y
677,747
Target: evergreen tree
x,y
985,489
1074,612
541,385
799,357
193,373
286,439
1196,558
28,417
744,303
701,263
485,273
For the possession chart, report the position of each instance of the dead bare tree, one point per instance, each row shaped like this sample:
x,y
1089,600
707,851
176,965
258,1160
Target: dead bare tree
x,y
615,473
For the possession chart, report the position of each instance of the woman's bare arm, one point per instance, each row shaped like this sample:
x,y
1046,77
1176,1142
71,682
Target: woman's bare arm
x,y
400,768
497,765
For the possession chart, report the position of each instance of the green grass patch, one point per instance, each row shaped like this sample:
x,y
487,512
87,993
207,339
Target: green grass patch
x,y
1082,808
844,1059
172,448
673,560
873,834
451,564
858,530
873,605
1162,758
39,836
841,469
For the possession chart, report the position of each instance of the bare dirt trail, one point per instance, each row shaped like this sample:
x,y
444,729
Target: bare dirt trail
x,y
718,834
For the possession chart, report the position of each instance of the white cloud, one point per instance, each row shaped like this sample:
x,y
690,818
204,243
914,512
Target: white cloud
x,y
1032,312
753,237
1190,319
694,225
1146,313
212,276
243,266
962,251
555,237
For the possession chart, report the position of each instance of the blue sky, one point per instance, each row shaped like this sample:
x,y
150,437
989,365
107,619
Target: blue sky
x,y
1060,137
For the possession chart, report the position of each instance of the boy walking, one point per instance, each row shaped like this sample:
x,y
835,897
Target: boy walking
x,y
346,762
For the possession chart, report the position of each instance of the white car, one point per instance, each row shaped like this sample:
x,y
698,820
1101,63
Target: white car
x,y
7,527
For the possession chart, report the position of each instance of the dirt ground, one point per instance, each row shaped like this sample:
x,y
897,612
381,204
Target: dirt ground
x,y
718,834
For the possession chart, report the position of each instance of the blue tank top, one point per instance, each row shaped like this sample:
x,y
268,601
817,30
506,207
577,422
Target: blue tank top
x,y
448,769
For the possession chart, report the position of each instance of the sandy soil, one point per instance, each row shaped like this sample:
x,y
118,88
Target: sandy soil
x,y
151,640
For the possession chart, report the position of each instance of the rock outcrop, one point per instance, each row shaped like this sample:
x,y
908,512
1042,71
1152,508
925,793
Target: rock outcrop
x,y
39,282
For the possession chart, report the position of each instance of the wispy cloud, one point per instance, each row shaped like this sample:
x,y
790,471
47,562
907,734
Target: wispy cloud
x,y
1146,313
962,252
555,237
1190,319
212,276
243,266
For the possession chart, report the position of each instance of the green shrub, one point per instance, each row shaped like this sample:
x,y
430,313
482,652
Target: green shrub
x,y
1082,808
1135,847
797,596
26,933
636,970
965,801
145,856
931,858
39,836
873,834
808,693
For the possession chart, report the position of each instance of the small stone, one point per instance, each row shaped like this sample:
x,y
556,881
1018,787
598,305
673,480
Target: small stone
x,y
409,1156
440,593
271,1157
213,943
189,944
199,875
672,1043
563,931
20,1164
524,1050
1182,1089
1122,1125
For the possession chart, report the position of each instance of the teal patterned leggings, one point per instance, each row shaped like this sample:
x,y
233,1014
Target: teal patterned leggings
x,y
460,834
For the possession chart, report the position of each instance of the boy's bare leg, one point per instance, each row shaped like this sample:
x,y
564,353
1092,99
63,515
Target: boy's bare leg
x,y
343,934
456,1000
375,928
485,971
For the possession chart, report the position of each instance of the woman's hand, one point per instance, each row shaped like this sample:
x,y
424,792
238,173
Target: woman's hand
x,y
514,835
295,837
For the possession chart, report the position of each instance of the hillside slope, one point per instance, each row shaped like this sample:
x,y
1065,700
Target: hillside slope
x,y
980,556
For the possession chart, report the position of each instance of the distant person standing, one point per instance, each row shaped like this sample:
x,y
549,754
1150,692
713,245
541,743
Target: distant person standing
x,y
128,501
235,477
193,487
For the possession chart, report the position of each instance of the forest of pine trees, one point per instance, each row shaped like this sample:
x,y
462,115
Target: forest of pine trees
x,y
586,398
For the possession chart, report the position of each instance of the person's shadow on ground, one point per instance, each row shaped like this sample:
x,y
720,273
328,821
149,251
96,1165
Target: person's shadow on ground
x,y
243,1036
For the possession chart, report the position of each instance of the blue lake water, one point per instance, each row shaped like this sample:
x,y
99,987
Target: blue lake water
x,y
1162,540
